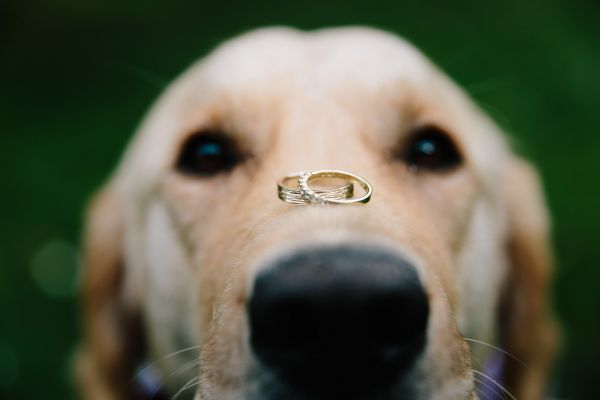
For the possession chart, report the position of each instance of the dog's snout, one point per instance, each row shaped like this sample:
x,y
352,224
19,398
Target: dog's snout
x,y
323,318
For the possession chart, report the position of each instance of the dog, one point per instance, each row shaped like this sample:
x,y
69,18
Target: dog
x,y
195,267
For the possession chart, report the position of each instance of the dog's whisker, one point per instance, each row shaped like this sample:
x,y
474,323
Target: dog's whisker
x,y
494,389
152,364
491,346
183,368
188,385
496,383
478,391
495,393
141,74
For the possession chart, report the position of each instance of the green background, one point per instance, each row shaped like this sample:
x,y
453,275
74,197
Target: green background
x,y
76,77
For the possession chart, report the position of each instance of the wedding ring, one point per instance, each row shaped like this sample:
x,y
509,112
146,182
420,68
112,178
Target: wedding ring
x,y
312,196
337,188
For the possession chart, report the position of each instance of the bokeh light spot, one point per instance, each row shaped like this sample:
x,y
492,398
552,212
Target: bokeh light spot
x,y
55,268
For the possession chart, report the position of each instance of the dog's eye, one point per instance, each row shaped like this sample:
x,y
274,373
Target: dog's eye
x,y
208,153
430,148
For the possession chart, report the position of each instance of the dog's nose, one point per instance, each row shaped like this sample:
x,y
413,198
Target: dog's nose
x,y
337,320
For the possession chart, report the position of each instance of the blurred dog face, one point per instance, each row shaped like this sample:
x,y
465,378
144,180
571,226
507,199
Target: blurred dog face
x,y
189,245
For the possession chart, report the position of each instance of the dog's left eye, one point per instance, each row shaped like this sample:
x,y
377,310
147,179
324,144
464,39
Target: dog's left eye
x,y
431,148
208,153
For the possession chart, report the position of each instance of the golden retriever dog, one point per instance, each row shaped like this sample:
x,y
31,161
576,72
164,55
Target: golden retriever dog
x,y
435,289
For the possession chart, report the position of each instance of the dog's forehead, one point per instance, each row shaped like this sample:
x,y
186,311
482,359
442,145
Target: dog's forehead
x,y
325,59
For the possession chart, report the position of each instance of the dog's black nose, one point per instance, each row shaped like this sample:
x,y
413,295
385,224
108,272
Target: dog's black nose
x,y
338,320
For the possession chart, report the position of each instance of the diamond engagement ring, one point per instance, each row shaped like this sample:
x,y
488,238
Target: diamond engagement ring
x,y
310,192
332,188
314,197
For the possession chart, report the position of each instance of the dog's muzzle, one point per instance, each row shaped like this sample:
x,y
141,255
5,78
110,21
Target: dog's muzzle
x,y
339,320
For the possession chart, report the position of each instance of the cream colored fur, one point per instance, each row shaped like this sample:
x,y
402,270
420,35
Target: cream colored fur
x,y
179,253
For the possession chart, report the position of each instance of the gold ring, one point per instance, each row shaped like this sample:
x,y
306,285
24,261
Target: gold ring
x,y
289,191
312,196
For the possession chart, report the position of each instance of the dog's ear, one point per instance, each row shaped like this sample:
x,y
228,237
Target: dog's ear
x,y
112,335
527,328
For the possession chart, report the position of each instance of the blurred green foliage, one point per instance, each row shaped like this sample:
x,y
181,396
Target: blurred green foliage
x,y
76,77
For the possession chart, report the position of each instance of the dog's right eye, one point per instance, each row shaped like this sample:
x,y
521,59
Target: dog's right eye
x,y
208,153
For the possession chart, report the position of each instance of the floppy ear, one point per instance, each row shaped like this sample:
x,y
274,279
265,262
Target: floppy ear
x,y
528,331
112,335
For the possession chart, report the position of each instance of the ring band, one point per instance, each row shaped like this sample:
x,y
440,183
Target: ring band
x,y
294,195
313,196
